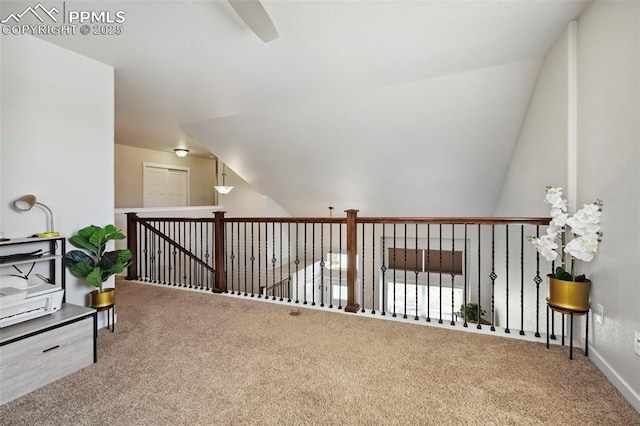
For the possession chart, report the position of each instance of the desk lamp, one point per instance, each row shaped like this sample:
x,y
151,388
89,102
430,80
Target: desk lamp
x,y
26,203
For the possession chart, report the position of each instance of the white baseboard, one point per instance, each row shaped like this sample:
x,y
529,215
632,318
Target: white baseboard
x,y
624,388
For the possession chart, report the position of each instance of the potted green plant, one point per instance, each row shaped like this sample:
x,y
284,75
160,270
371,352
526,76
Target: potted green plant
x,y
567,289
97,265
469,312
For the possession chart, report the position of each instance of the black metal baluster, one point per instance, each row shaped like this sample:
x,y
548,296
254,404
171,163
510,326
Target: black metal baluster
x,y
383,268
289,262
206,273
322,263
144,247
304,294
253,260
185,268
404,314
363,263
537,280
373,268
180,258
167,254
281,284
440,271
191,266
146,251
313,264
506,330
493,276
152,269
173,265
453,272
274,260
200,256
159,252
394,271
266,260
466,276
188,261
176,256
259,262
428,268
245,259
235,255
138,250
163,243
297,263
190,270
259,265
521,280
232,255
416,271
330,264
553,312
156,255
340,269
478,326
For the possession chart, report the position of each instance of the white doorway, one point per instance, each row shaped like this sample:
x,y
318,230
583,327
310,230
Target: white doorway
x,y
165,185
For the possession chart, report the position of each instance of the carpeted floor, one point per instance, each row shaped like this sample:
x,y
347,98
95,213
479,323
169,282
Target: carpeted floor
x,y
187,358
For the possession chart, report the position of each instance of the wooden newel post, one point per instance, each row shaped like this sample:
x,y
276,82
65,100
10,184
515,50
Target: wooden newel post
x,y
132,245
220,285
352,238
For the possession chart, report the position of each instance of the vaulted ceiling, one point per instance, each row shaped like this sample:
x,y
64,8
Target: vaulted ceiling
x,y
390,107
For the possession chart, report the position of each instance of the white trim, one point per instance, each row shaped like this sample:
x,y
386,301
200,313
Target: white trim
x,y
572,114
165,166
614,377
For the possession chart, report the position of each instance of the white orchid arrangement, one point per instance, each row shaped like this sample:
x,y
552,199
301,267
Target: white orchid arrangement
x,y
585,226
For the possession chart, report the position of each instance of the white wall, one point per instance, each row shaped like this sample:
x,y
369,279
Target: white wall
x,y
608,168
608,154
540,156
57,140
245,201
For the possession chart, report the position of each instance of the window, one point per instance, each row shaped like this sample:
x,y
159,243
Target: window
x,y
429,300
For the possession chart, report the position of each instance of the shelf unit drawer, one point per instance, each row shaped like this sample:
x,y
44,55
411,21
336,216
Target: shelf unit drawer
x,y
35,361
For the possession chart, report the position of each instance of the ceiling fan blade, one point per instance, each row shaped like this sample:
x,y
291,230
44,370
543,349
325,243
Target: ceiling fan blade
x,y
253,14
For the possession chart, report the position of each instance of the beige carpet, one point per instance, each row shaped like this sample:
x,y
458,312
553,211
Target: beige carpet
x,y
187,358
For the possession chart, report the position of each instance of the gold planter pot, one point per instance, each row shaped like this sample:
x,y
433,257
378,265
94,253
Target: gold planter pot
x,y
102,299
570,295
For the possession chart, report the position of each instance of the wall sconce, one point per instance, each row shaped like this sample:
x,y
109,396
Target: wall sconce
x,y
223,189
26,203
181,152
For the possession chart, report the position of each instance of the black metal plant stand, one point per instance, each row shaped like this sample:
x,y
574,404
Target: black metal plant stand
x,y
571,313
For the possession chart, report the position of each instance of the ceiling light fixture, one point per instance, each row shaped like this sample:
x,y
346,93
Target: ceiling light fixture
x,y
181,152
26,203
223,189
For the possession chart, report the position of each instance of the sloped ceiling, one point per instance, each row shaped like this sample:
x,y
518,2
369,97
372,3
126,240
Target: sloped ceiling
x,y
390,107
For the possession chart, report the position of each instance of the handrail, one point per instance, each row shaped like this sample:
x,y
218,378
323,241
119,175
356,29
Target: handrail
x,y
482,220
458,220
